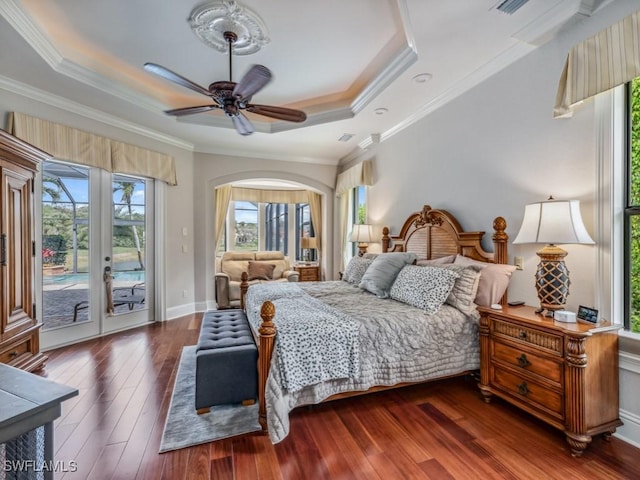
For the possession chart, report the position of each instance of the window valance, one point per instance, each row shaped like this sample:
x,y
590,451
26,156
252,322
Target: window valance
x,y
599,63
269,196
360,174
67,143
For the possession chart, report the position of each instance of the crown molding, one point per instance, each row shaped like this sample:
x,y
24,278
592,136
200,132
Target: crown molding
x,y
62,103
236,152
490,68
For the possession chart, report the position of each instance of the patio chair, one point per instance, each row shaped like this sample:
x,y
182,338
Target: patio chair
x,y
130,296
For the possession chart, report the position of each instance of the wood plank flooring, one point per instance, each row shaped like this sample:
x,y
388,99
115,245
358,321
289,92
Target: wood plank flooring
x,y
441,430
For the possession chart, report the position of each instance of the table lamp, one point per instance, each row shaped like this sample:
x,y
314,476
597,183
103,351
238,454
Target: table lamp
x,y
307,243
362,234
550,223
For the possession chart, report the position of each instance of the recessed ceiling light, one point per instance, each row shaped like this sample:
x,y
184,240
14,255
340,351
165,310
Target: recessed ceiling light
x,y
381,111
422,78
346,137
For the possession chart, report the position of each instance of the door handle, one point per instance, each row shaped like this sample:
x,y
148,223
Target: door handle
x,y
3,249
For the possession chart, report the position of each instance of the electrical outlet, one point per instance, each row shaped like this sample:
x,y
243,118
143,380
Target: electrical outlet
x,y
518,262
184,294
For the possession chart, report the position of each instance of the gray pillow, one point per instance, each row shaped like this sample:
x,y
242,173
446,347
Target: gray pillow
x,y
426,288
382,272
465,288
355,269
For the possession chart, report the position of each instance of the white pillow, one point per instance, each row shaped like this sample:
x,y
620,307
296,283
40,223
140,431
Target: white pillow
x,y
426,288
494,279
383,271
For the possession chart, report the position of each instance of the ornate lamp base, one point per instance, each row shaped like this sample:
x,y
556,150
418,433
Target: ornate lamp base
x,y
552,279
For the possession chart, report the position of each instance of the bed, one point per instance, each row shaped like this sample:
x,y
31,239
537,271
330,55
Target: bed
x,y
320,341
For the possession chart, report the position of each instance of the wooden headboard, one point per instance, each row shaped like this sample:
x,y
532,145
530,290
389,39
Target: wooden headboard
x,y
433,233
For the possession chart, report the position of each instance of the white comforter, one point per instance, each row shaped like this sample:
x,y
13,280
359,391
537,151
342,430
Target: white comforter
x,y
398,343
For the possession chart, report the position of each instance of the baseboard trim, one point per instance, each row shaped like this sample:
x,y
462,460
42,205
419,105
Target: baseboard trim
x,y
181,311
630,431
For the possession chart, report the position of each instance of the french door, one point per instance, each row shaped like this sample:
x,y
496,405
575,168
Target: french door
x,y
96,266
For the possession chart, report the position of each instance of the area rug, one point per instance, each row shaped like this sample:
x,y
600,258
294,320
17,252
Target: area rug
x,y
185,428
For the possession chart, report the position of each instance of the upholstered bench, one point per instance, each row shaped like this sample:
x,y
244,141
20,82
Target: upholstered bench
x,y
226,360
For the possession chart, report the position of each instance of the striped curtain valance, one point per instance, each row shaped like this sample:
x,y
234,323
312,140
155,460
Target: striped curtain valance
x,y
358,175
74,145
269,196
599,63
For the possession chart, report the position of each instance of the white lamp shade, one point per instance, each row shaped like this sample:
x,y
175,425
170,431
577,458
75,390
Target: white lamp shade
x,y
553,222
361,233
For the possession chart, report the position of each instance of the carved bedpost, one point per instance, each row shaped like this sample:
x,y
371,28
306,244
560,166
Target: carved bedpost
x,y
500,239
244,286
267,333
385,239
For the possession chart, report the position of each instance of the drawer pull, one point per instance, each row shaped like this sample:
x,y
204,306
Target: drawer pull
x,y
523,361
523,334
522,388
14,354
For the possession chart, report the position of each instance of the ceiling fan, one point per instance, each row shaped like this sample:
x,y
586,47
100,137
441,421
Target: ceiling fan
x,y
231,97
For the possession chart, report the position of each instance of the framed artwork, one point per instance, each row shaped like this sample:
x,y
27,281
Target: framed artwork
x,y
587,314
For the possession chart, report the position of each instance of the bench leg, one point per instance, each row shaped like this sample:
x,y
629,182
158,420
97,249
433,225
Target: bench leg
x,y
201,411
246,403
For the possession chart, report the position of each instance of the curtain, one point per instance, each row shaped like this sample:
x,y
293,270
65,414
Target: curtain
x,y
315,205
343,211
356,176
360,174
223,197
67,143
269,196
599,63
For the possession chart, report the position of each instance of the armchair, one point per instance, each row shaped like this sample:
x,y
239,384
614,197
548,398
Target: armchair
x,y
229,270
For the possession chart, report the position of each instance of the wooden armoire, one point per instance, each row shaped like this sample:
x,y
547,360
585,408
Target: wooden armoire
x,y
19,330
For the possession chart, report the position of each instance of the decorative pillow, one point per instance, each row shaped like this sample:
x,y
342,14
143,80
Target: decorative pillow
x,y
494,280
465,288
382,272
437,261
261,271
426,288
355,270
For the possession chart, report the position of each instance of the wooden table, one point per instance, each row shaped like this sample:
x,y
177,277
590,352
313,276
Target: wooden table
x,y
28,402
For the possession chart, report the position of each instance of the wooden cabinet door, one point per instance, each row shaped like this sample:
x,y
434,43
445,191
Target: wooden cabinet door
x,y
16,252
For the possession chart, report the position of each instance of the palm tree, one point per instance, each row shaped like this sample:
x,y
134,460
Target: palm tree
x,y
127,189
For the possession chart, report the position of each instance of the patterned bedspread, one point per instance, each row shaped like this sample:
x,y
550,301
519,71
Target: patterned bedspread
x,y
397,343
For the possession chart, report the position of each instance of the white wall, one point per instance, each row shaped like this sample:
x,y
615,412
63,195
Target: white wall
x,y
496,148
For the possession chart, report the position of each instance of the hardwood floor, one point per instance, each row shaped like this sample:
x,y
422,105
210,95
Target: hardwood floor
x,y
442,430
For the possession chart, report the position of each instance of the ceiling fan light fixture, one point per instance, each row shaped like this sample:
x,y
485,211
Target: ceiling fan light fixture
x,y
211,21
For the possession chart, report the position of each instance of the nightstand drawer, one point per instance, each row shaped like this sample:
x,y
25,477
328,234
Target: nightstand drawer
x,y
545,367
308,273
541,340
529,391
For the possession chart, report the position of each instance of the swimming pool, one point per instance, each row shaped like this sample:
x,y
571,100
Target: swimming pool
x,y
84,278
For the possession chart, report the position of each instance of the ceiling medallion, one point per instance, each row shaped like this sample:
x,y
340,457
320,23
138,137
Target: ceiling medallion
x,y
210,21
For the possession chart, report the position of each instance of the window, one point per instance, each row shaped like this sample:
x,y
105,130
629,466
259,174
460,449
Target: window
x,y
358,210
304,228
245,226
266,226
277,227
632,210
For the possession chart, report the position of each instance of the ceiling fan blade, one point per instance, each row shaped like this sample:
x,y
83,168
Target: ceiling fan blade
x,y
178,112
242,124
281,113
175,78
256,78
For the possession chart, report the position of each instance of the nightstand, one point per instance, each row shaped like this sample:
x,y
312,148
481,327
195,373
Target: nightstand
x,y
308,273
566,374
